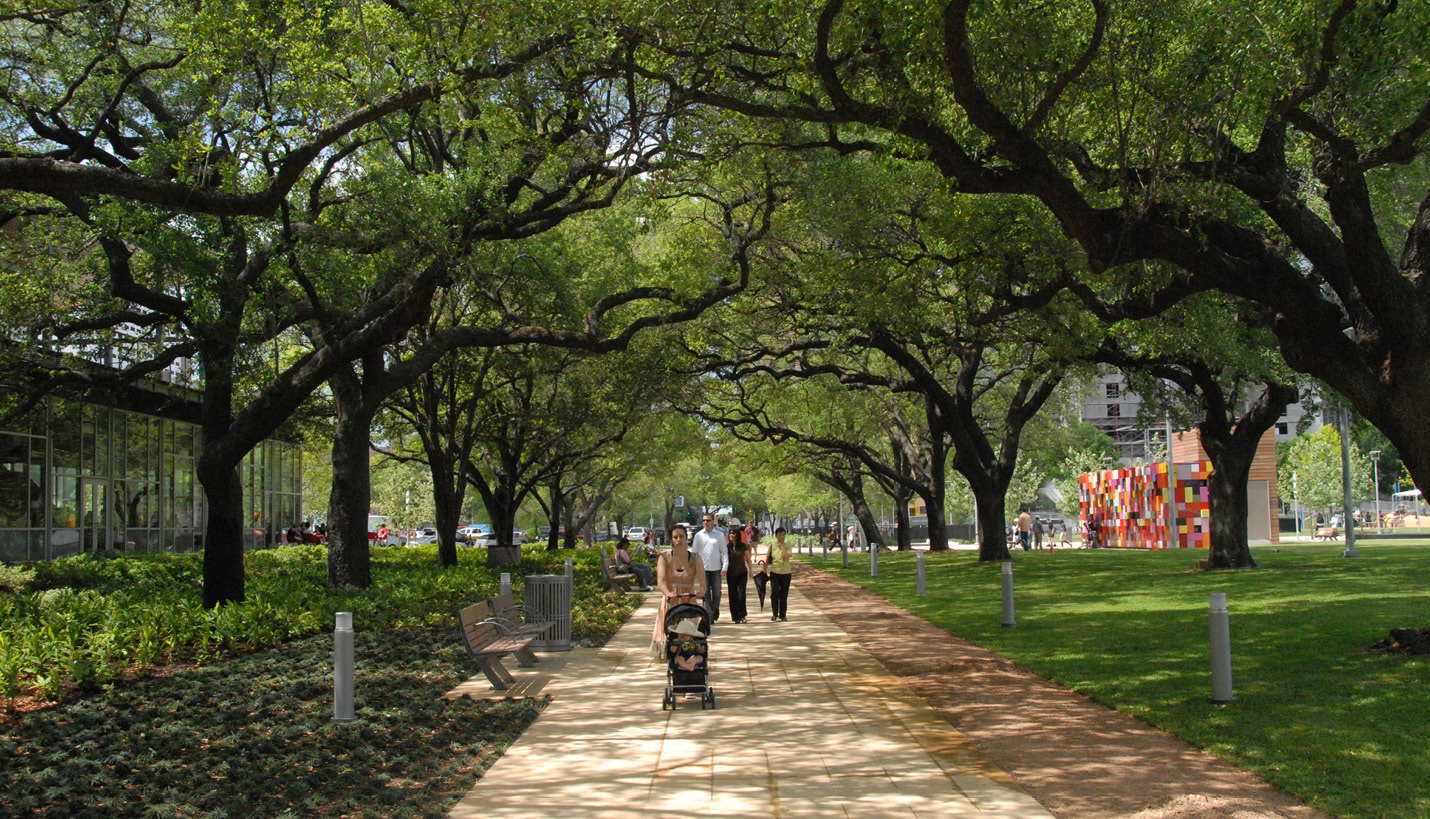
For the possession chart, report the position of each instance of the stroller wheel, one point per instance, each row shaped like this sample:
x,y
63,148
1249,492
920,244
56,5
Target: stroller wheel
x,y
667,703
708,701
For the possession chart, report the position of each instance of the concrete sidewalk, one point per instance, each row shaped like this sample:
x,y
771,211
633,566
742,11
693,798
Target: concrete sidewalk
x,y
807,724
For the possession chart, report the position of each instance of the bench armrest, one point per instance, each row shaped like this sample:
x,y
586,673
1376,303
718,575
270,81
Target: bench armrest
x,y
502,624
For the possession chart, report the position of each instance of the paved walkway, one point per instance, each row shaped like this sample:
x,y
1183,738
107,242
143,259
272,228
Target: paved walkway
x,y
808,725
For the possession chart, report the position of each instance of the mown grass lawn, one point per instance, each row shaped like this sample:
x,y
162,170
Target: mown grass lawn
x,y
183,712
1316,712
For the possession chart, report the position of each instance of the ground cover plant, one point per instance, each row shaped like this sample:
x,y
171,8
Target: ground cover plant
x,y
1316,713
232,714
86,621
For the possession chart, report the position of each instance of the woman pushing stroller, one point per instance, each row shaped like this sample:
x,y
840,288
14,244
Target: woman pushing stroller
x,y
678,573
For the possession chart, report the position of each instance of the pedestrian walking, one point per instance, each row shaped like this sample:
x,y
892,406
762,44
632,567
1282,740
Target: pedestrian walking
x,y
709,545
1025,530
759,566
677,572
780,573
737,575
1037,533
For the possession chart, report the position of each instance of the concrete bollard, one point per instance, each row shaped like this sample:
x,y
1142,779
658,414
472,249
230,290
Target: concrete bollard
x,y
844,546
873,560
1220,649
505,583
571,572
922,589
1008,621
343,668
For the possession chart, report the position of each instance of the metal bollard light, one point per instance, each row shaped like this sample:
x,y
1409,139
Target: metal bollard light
x,y
922,589
343,668
873,560
505,583
844,546
1008,621
1221,649
571,572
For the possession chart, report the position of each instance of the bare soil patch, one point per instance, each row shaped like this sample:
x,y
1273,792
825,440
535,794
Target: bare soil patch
x,y
1080,759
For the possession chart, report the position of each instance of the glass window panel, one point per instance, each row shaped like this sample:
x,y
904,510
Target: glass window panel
x,y
65,435
121,438
183,440
38,482
15,494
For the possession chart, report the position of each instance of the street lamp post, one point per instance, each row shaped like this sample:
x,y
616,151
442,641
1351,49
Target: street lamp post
x,y
1375,479
1296,498
1350,521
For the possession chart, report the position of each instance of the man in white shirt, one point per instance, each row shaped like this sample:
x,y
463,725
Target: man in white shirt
x,y
709,544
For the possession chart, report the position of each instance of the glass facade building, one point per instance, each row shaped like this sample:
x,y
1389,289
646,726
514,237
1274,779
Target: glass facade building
x,y
80,477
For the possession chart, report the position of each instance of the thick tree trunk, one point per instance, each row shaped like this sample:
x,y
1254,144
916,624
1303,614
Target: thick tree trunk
x,y
558,498
901,511
502,508
1226,491
223,533
937,492
992,528
217,471
862,513
349,551
1232,451
447,496
938,525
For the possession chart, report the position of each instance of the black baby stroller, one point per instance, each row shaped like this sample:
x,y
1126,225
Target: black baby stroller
x,y
687,654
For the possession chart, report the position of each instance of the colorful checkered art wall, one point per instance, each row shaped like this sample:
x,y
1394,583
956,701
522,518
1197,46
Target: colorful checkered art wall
x,y
1130,506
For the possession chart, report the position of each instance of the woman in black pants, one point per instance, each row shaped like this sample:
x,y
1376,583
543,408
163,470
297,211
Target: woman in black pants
x,y
737,574
779,576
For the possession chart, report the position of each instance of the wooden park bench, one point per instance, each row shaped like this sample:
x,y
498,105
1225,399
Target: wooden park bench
x,y
517,619
1327,533
615,577
488,641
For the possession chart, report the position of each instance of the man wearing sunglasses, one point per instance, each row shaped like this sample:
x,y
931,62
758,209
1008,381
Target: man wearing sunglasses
x,y
709,544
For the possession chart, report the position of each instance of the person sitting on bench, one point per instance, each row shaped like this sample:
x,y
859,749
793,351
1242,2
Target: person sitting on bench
x,y
625,564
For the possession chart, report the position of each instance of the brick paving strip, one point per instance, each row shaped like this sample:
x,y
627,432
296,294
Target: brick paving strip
x,y
1079,759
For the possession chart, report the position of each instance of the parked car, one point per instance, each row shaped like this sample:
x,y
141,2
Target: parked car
x,y
637,533
487,540
423,537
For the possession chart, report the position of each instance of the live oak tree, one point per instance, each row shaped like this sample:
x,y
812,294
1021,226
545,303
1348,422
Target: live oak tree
x,y
195,146
1225,378
1274,152
216,159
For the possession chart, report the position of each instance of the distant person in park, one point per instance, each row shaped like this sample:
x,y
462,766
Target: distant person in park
x,y
624,563
709,545
1094,534
382,535
1025,530
780,572
678,572
737,575
759,565
1037,533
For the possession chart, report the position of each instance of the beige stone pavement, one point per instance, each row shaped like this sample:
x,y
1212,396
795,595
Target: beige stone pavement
x,y
807,724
